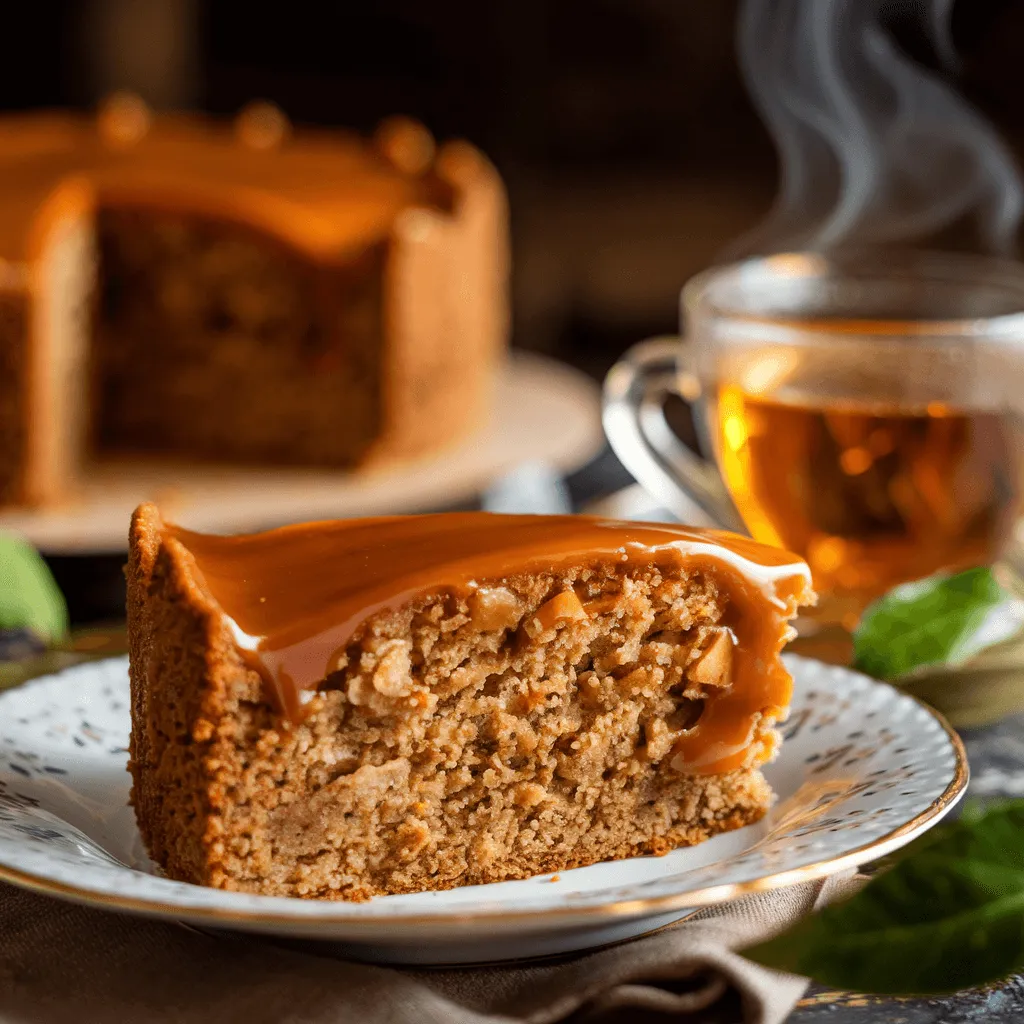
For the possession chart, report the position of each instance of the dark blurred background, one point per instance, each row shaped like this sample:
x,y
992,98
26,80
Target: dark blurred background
x,y
631,152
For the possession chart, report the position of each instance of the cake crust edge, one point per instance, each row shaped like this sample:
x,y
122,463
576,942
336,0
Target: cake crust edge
x,y
186,675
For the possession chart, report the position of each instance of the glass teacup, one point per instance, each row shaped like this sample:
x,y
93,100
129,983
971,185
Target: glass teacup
x,y
862,410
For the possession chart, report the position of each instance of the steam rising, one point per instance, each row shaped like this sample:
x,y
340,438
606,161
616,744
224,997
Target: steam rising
x,y
874,149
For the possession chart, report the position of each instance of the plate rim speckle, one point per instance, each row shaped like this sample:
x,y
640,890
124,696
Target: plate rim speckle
x,y
565,913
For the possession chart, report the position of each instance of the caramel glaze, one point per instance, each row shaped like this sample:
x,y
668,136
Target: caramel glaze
x,y
297,596
326,193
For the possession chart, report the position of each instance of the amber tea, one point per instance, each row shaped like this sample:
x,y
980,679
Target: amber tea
x,y
870,494
860,408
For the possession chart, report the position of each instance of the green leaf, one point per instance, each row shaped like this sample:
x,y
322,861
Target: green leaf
x,y
29,596
941,620
948,915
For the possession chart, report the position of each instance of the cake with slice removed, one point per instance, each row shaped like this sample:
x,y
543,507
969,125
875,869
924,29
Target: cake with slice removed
x,y
176,287
345,709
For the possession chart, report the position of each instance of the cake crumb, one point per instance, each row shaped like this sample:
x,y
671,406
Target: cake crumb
x,y
528,755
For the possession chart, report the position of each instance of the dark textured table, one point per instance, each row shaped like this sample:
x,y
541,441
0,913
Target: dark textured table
x,y
996,756
95,590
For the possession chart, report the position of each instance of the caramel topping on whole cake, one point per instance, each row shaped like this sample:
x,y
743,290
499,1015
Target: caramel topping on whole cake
x,y
295,597
177,287
326,193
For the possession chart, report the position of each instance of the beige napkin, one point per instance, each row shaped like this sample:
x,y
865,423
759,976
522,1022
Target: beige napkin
x,y
60,963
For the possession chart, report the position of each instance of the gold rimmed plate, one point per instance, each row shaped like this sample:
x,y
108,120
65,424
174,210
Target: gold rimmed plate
x,y
863,770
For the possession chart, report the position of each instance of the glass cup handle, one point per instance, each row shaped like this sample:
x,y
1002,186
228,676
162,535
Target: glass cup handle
x,y
634,420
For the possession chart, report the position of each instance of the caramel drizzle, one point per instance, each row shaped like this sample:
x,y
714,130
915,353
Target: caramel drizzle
x,y
326,193
297,596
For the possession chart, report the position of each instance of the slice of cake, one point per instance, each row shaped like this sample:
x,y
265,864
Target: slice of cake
x,y
345,709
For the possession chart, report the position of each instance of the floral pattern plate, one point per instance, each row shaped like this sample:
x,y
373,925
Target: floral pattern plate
x,y
864,768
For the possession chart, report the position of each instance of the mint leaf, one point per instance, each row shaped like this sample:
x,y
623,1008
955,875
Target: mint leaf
x,y
29,596
941,620
948,915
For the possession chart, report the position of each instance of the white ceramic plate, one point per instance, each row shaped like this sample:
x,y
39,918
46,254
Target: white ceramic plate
x,y
543,411
863,770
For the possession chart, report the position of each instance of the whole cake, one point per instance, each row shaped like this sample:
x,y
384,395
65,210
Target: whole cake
x,y
345,709
183,288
